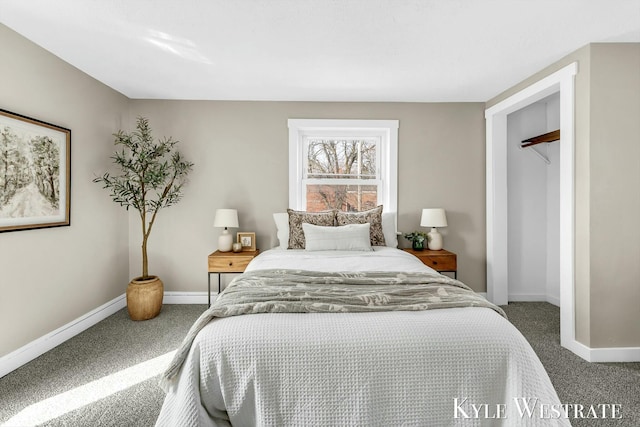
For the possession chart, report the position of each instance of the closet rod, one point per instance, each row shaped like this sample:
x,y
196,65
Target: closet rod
x,y
547,137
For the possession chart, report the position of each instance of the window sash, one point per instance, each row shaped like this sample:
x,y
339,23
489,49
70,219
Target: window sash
x,y
347,197
337,181
306,141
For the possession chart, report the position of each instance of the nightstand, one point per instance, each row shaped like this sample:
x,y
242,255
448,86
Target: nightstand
x,y
442,261
228,262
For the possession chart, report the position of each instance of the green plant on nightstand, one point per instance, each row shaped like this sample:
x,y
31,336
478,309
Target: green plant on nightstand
x,y
417,239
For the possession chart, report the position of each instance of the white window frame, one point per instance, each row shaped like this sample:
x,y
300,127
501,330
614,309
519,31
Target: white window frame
x,y
386,131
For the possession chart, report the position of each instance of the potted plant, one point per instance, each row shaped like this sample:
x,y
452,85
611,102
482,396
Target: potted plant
x,y
417,239
152,175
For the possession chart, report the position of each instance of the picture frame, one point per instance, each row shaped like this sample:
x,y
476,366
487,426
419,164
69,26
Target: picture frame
x,y
248,240
35,173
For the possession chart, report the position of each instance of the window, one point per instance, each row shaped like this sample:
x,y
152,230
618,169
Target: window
x,y
350,165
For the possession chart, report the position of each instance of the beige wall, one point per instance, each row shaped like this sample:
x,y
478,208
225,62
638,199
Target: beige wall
x,y
240,150
615,195
607,168
49,277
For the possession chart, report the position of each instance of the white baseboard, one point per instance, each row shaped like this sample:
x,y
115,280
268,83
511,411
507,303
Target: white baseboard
x,y
187,297
553,299
528,297
620,354
601,355
35,348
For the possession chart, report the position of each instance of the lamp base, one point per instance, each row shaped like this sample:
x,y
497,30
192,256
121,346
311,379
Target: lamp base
x,y
435,240
225,241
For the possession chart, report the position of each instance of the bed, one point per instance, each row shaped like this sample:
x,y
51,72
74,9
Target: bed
x,y
442,356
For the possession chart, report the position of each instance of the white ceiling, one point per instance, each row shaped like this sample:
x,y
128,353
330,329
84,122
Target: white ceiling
x,y
318,50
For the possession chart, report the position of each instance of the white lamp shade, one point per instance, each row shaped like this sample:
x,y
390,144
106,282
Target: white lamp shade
x,y
433,218
226,218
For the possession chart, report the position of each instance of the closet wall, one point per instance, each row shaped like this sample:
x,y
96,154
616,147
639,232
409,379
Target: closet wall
x,y
534,204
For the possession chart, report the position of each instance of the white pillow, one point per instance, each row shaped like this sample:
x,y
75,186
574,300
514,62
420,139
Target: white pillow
x,y
351,237
282,227
389,228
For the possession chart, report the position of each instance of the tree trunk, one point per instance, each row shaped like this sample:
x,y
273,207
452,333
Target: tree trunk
x,y
53,188
145,260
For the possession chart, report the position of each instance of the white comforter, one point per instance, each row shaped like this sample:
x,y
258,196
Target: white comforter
x,y
382,258
385,369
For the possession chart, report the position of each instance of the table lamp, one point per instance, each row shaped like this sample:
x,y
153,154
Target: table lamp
x,y
225,218
434,218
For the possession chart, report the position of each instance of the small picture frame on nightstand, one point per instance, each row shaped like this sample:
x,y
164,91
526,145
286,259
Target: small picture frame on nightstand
x,y
247,240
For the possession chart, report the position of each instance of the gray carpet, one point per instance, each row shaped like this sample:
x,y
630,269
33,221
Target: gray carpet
x,y
117,343
575,380
108,347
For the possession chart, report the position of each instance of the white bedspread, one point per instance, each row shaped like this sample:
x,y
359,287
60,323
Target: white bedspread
x,y
368,369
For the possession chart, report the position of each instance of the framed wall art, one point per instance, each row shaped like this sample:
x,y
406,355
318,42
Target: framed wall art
x,y
248,241
35,173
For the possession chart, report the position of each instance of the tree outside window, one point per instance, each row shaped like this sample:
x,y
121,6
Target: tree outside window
x,y
341,173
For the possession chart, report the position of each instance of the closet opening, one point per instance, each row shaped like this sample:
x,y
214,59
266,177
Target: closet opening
x,y
497,202
533,198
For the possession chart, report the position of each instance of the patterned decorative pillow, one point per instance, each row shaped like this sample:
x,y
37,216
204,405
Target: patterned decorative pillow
x,y
296,218
373,217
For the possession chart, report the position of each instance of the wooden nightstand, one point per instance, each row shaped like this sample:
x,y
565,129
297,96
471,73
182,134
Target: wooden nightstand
x,y
442,261
228,262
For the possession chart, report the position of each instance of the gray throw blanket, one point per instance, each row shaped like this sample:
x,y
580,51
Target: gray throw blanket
x,y
300,291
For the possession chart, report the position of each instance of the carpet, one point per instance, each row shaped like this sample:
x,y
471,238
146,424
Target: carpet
x,y
121,350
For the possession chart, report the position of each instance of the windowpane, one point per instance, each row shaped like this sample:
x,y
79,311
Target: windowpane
x,y
342,158
348,198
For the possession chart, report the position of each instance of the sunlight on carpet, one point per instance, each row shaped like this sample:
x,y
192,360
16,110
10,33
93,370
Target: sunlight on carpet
x,y
63,403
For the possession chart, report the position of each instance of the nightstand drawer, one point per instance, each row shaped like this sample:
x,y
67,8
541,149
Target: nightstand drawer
x,y
229,264
440,263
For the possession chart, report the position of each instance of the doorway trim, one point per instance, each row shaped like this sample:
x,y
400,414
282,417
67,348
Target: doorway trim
x,y
562,81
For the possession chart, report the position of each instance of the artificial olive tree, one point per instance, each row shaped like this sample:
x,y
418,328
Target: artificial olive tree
x,y
152,175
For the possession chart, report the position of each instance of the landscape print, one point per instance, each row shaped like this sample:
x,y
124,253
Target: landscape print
x,y
34,173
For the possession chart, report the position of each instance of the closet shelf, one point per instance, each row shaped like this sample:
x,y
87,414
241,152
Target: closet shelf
x,y
547,137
